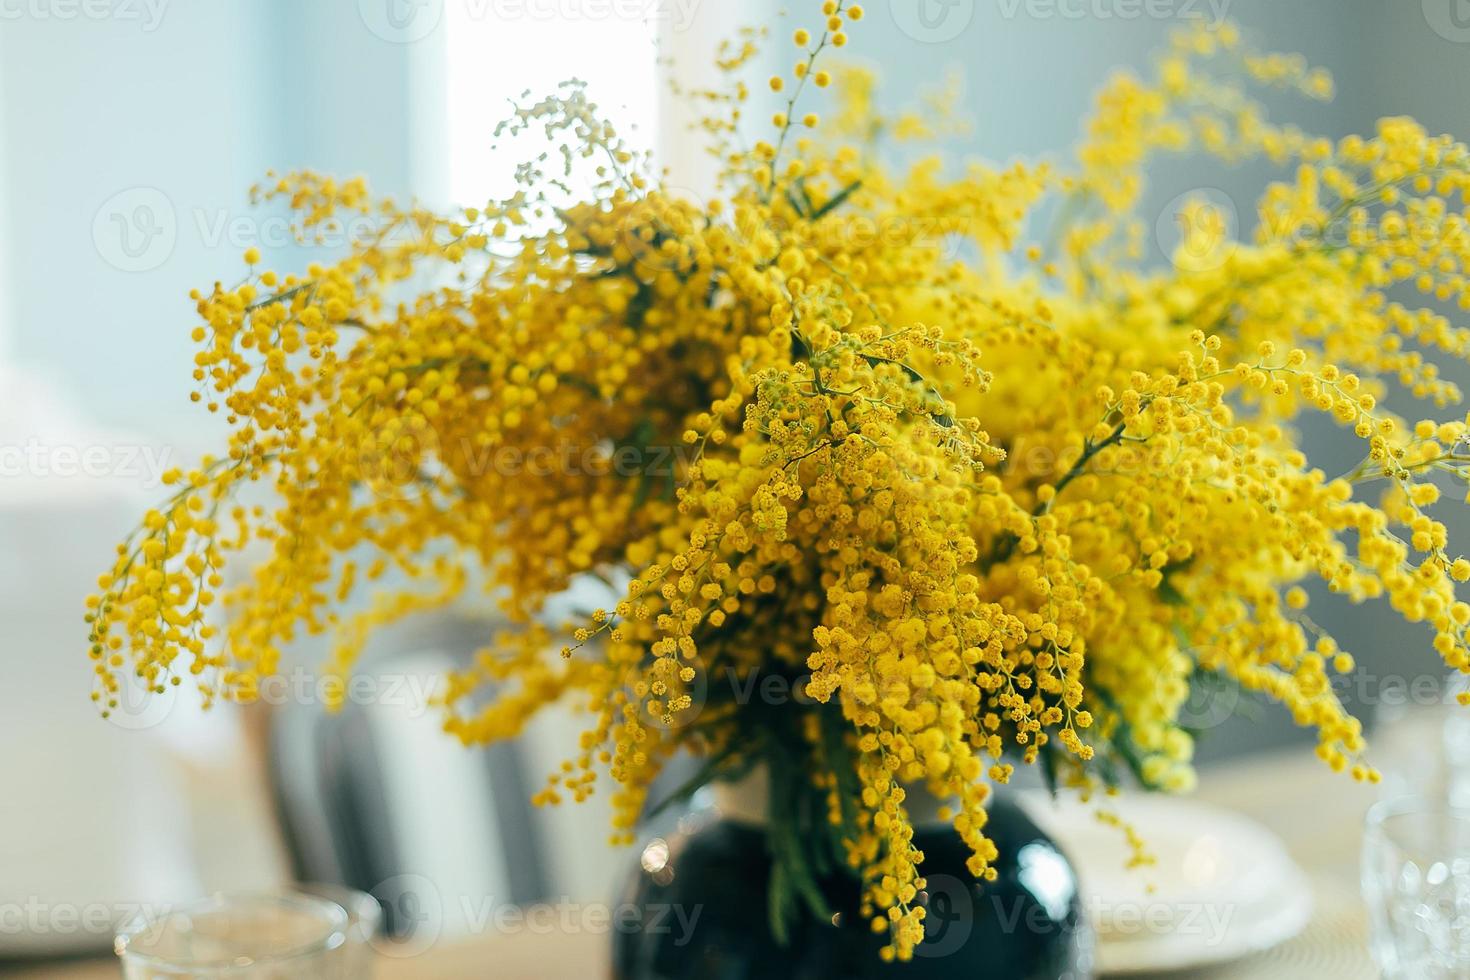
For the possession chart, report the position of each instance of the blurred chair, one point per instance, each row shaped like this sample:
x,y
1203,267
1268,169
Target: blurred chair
x,y
377,797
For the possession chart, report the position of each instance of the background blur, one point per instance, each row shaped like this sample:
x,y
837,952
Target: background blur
x,y
130,132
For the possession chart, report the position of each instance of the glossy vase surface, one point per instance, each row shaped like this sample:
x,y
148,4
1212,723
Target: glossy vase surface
x,y
703,893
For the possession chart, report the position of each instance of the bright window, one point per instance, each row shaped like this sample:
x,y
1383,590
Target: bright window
x,y
497,52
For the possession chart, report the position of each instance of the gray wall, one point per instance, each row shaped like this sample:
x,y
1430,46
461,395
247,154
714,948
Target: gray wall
x,y
1031,68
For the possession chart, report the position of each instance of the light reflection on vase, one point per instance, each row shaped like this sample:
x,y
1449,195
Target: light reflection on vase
x,y
1026,925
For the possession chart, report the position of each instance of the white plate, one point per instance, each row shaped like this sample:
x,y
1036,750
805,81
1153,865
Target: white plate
x,y
1224,886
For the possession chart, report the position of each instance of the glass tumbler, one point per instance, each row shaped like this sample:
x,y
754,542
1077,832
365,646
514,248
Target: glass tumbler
x,y
239,937
364,925
1416,881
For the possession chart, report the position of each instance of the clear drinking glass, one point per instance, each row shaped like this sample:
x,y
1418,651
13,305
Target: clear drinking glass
x,y
1416,881
239,937
364,925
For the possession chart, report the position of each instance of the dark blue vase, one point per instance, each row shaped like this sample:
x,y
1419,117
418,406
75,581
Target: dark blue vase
x,y
704,915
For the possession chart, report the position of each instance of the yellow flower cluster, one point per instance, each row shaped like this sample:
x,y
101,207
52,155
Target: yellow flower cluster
x,y
842,425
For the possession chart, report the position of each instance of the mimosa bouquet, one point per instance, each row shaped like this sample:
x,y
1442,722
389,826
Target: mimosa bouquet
x,y
984,489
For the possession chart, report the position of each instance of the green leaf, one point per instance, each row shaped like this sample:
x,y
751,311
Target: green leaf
x,y
714,769
1168,591
940,418
802,208
1049,767
800,349
837,200
786,838
777,901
